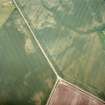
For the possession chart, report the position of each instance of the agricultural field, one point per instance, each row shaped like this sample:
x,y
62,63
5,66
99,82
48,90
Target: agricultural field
x,y
6,9
25,76
72,33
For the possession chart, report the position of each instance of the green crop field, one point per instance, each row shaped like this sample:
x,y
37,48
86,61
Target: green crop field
x,y
25,76
72,33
